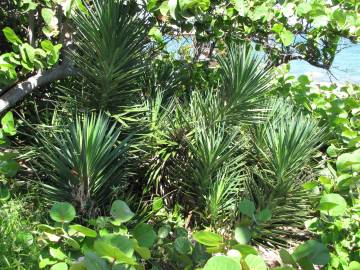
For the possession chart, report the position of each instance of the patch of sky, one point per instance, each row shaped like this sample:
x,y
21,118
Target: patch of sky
x,y
346,66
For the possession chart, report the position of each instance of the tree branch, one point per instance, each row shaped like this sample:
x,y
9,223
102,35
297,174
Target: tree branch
x,y
31,28
21,89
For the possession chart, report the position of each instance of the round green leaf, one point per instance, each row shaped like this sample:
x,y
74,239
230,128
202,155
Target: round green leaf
x,y
11,36
47,14
303,8
94,262
260,12
245,249
121,211
103,248
242,235
62,212
142,251
4,192
59,266
348,162
156,34
287,258
164,231
310,185
78,266
247,207
320,21
180,231
314,251
332,204
222,263
164,8
208,238
45,262
8,124
72,243
172,4
182,245
287,37
84,230
332,151
122,242
8,167
354,265
145,235
255,262
157,204
57,253
263,216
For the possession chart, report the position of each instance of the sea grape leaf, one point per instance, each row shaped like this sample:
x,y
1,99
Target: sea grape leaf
x,y
208,238
62,212
121,211
333,204
221,263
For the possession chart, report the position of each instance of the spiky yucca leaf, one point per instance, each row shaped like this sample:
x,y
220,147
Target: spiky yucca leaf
x,y
285,143
288,140
83,162
246,79
212,178
110,54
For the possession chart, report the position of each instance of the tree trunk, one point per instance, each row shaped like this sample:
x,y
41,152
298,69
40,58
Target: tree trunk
x,y
21,89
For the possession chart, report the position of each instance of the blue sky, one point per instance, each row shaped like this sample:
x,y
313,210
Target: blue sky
x,y
346,67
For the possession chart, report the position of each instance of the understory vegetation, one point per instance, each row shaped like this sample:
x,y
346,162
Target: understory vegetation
x,y
154,158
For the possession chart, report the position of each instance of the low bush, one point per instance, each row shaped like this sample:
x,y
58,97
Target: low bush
x,y
18,220
107,243
337,188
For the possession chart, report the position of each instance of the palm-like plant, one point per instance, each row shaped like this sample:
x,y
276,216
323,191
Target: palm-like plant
x,y
216,171
202,163
285,145
110,54
83,162
246,79
287,140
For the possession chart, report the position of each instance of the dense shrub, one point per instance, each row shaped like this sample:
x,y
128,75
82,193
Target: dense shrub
x,y
110,244
18,220
219,157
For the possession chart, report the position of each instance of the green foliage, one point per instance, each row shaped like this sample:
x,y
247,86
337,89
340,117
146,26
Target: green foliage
x,y
28,25
110,244
62,212
8,165
338,203
285,145
194,149
111,54
245,81
25,57
210,141
272,25
18,219
84,162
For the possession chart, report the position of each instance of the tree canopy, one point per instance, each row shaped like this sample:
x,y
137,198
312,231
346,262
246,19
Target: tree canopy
x,y
37,33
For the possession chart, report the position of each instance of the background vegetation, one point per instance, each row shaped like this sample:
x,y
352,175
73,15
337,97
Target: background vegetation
x,y
169,135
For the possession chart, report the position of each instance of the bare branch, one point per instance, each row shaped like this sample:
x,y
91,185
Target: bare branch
x,y
42,78
31,28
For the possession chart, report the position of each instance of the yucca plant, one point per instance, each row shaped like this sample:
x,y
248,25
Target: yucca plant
x,y
83,163
111,48
202,164
216,171
285,145
245,81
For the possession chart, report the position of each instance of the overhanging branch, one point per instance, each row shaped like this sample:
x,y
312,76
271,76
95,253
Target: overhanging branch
x,y
21,89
